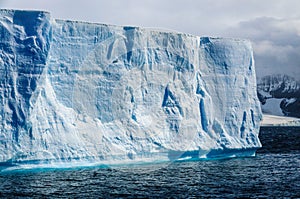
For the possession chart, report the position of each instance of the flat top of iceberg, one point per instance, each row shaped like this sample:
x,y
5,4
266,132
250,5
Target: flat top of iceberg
x,y
31,10
151,29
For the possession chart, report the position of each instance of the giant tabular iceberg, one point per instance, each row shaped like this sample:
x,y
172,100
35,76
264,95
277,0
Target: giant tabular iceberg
x,y
81,91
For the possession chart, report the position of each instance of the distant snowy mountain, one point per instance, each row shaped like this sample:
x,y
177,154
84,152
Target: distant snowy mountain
x,y
279,95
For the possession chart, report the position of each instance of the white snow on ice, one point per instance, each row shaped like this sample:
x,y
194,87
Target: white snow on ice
x,y
274,120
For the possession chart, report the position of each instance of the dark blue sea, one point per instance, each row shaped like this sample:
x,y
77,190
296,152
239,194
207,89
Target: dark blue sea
x,y
273,173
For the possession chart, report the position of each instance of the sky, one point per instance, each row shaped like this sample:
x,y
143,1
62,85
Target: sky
x,y
273,26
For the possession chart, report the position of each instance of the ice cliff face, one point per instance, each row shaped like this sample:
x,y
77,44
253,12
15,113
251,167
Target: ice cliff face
x,y
74,90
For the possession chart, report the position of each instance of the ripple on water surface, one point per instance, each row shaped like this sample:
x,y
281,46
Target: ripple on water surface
x,y
272,173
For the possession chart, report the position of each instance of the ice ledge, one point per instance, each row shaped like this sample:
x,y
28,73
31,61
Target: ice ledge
x,y
120,162
150,29
273,120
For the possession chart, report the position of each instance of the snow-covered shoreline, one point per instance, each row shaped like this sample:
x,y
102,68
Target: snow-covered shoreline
x,y
273,120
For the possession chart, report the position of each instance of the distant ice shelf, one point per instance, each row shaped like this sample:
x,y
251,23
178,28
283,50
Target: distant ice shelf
x,y
78,91
275,120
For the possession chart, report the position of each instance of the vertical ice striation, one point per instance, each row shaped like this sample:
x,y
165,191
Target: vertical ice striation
x,y
25,41
81,91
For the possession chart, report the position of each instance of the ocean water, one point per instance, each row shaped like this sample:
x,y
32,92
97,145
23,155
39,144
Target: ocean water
x,y
273,173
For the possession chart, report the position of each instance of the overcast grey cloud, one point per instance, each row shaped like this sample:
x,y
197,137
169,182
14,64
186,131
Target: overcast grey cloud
x,y
273,26
276,44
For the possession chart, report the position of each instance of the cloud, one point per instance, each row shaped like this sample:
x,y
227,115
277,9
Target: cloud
x,y
273,26
276,44
202,17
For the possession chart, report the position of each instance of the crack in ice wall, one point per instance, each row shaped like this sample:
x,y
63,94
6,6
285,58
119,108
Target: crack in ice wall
x,y
75,90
